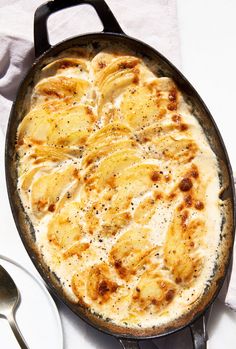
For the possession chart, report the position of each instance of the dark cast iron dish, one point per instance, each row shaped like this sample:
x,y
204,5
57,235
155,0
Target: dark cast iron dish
x,y
113,33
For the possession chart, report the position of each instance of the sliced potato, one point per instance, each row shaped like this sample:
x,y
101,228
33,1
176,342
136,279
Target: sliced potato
x,y
157,130
67,65
71,127
100,284
107,134
101,61
129,251
152,293
49,189
139,107
182,150
112,166
76,249
65,230
114,223
134,182
119,64
59,87
102,150
114,85
34,127
145,210
46,153
180,251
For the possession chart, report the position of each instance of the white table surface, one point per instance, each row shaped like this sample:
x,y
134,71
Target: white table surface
x,y
207,33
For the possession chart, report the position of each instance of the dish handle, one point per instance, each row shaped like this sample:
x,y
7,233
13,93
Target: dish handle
x,y
41,41
199,334
129,343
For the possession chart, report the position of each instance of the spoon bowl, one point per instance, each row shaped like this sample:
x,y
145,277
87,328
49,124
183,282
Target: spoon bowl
x,y
9,300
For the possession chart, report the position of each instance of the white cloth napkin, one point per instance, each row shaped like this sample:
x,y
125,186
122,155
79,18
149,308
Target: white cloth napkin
x,y
153,21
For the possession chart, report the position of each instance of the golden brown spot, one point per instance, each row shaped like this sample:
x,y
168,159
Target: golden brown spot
x,y
183,127
170,295
155,176
172,95
188,200
186,184
100,285
52,207
76,173
121,270
167,178
89,161
178,280
158,196
41,204
180,207
199,205
105,287
111,181
89,110
128,65
172,106
184,218
67,64
176,118
36,141
172,196
102,64
136,79
194,172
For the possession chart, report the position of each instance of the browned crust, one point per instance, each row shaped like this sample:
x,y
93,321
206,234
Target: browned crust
x,y
222,264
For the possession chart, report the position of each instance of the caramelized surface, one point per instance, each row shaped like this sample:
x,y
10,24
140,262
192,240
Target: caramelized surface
x,y
121,186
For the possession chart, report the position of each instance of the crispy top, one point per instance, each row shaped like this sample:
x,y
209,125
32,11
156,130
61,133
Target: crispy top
x,y
121,186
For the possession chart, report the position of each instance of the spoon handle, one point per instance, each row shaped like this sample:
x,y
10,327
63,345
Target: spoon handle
x,y
16,331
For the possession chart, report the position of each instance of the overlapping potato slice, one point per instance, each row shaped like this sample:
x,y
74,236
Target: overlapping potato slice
x,y
152,293
117,65
167,92
159,129
49,189
182,150
101,61
102,150
114,223
111,80
72,126
130,250
145,210
135,182
111,167
100,284
180,251
45,153
34,127
139,107
66,66
59,87
28,177
109,139
107,134
36,124
65,229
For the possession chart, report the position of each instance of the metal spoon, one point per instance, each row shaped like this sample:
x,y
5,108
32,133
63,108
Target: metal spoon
x,y
9,299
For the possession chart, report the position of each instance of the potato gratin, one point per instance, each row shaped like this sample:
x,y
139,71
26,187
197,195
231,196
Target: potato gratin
x,y
121,186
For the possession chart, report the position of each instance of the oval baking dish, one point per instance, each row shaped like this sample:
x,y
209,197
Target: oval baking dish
x,y
114,35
